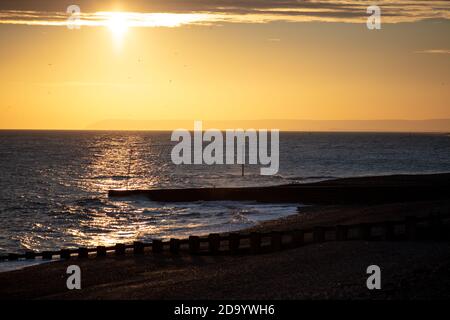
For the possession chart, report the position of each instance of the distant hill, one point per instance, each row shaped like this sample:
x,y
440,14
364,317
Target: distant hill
x,y
431,125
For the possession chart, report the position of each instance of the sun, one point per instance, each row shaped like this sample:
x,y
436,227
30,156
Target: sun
x,y
118,24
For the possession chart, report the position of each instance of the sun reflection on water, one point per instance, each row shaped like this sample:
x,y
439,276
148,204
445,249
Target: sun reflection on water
x,y
70,207
116,163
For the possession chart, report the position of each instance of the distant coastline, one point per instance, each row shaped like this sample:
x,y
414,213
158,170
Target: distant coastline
x,y
391,125
285,125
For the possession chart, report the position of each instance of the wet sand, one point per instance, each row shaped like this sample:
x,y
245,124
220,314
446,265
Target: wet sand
x,y
331,270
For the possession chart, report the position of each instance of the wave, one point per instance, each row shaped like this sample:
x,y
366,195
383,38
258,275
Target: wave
x,y
115,177
89,202
312,178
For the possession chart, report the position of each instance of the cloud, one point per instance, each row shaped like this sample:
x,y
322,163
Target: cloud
x,y
146,13
435,51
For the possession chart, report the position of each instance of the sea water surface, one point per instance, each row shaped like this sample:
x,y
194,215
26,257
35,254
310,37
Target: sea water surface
x,y
53,184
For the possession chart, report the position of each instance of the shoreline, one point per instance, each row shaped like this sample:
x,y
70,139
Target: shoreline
x,y
418,187
309,217
329,270
370,189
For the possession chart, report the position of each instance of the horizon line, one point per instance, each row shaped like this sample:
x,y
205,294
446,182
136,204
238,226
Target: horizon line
x,y
280,130
435,125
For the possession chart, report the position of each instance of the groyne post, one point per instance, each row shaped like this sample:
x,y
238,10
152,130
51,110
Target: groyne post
x,y
82,253
101,251
194,244
174,245
364,231
47,255
411,227
298,238
13,257
255,242
389,231
157,246
29,255
341,233
318,234
234,242
138,247
65,254
119,249
275,241
214,242
436,227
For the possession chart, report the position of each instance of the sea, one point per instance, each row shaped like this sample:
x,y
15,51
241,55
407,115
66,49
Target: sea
x,y
54,184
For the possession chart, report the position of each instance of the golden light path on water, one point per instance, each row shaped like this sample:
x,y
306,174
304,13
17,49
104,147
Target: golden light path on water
x,y
87,217
129,162
112,164
121,158
58,198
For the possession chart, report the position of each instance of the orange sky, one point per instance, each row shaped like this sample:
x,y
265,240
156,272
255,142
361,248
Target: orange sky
x,y
55,78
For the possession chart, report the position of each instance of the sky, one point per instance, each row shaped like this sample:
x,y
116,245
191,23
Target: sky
x,y
121,62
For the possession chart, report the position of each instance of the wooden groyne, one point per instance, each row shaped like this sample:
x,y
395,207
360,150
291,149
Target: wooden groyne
x,y
431,228
366,190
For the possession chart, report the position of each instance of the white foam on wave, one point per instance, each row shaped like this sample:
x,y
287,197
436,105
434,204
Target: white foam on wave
x,y
20,264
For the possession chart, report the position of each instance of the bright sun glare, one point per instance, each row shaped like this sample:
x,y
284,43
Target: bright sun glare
x,y
118,25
